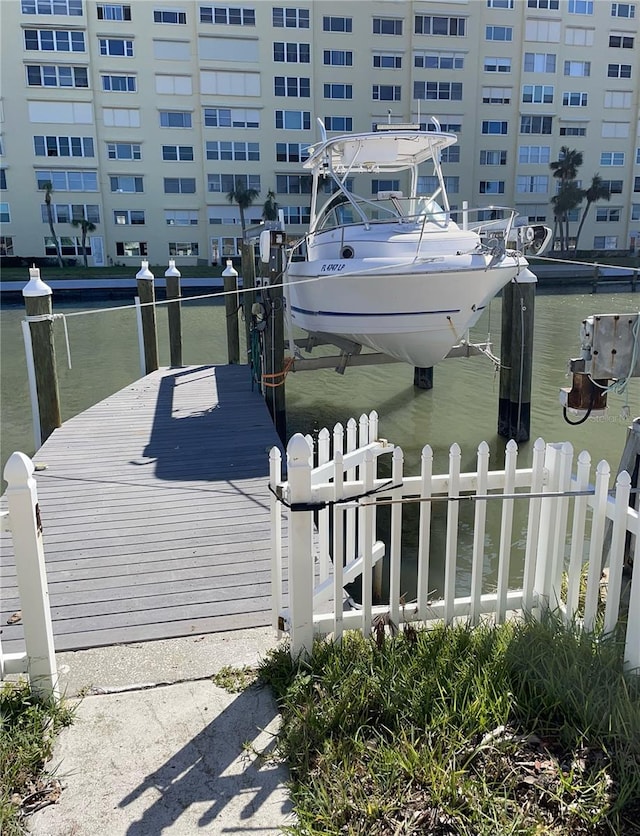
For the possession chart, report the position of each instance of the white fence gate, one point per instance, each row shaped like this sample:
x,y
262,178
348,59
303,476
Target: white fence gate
x,y
331,502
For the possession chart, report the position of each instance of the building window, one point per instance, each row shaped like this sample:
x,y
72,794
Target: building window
x,y
292,86
175,119
232,150
432,25
293,120
387,61
121,117
619,71
635,211
386,92
179,185
543,4
605,242
617,98
224,117
580,7
228,16
538,183
607,214
296,214
623,41
119,83
500,4
283,18
6,245
116,47
387,26
293,184
617,130
446,127
544,31
496,95
498,33
435,90
183,248
181,217
291,53
63,146
336,24
574,99
52,7
491,187
54,40
338,91
124,151
534,154
490,126
124,183
128,217
577,68
5,213
50,75
385,186
539,62
131,249
573,130
612,158
112,11
438,60
614,186
338,123
177,153
65,213
496,64
536,124
493,157
69,245
3,179
623,10
338,58
292,152
226,183
537,93
450,154
68,181
168,16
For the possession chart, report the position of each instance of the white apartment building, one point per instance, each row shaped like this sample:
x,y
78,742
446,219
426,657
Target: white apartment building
x,y
142,114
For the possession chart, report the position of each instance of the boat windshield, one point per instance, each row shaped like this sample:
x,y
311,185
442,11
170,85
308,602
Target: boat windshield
x,y
340,211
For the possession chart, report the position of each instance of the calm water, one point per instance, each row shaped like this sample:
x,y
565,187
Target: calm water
x,y
462,406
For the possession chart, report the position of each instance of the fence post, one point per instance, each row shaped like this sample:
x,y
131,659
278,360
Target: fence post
x,y
31,574
174,314
37,301
230,276
300,547
632,641
147,295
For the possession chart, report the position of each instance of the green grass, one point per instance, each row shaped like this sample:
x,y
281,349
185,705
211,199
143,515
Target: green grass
x,y
28,727
518,729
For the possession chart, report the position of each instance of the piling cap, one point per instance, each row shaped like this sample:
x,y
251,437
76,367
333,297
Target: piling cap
x,y
229,270
35,286
144,272
173,270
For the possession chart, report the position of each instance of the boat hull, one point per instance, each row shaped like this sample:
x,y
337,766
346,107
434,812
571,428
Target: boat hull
x,y
414,312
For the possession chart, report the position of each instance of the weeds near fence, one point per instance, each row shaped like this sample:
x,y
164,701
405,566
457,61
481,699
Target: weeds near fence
x,y
524,728
28,727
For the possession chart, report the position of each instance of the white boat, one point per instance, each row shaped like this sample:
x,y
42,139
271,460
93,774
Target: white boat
x,y
404,275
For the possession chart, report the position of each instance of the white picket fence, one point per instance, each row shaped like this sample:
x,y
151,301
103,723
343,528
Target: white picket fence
x,y
328,507
22,519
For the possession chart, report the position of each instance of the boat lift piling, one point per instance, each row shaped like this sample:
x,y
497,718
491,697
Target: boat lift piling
x,y
273,300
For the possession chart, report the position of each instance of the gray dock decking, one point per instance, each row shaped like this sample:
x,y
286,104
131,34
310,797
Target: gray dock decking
x,y
155,509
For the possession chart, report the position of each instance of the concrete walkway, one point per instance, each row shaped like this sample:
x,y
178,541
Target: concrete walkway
x,y
158,748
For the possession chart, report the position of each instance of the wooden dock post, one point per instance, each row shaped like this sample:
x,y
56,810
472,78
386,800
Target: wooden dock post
x,y
37,301
230,276
248,287
423,377
146,292
274,335
174,314
518,313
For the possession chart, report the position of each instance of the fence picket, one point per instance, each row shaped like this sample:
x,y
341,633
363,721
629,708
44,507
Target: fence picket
x,y
533,525
576,554
546,539
350,476
373,426
363,430
632,642
395,548
565,455
479,531
366,537
324,439
275,478
595,549
506,528
451,549
338,544
424,536
616,555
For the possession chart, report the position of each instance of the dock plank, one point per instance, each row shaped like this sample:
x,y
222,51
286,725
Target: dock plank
x,y
155,508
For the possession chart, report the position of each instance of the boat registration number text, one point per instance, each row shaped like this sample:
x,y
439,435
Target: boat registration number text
x,y
332,268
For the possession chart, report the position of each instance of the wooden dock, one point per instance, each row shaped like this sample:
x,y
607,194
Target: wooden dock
x,y
155,509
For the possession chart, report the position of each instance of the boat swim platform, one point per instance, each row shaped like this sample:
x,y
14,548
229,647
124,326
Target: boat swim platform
x,y
156,514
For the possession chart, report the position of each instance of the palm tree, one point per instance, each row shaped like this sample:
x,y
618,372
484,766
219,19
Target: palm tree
x,y
244,197
596,191
48,189
569,197
86,227
270,207
567,165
